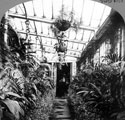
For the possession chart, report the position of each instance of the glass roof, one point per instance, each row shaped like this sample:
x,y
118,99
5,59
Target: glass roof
x,y
41,15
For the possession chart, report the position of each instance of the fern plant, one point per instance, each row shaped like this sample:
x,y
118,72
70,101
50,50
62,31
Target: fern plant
x,y
96,92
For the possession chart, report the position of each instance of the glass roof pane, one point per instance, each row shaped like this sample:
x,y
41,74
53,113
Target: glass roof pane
x,y
29,8
54,41
75,46
98,11
38,8
77,6
38,26
69,45
79,34
56,7
80,47
47,8
87,12
45,27
86,36
92,14
91,35
68,4
20,9
106,13
95,23
32,27
18,23
72,34
13,10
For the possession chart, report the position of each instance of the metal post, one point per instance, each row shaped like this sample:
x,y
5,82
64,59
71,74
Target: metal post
x,y
123,56
6,29
123,42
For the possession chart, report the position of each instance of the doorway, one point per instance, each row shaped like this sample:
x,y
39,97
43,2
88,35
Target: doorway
x,y
63,79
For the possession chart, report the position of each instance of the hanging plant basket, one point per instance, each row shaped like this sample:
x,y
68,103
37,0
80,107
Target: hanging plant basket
x,y
62,25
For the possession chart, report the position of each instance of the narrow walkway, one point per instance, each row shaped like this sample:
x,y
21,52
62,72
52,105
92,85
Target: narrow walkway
x,y
61,110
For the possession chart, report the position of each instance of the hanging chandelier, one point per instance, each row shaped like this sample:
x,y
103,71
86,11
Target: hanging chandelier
x,y
61,47
61,24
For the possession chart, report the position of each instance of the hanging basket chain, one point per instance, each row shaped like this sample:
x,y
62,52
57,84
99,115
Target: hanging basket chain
x,y
37,38
27,33
27,23
27,36
27,29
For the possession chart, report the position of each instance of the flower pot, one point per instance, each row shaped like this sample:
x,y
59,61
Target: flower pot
x,y
62,25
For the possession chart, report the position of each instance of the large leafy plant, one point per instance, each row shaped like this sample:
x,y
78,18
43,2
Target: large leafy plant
x,y
18,80
44,82
96,92
18,93
10,93
10,107
23,91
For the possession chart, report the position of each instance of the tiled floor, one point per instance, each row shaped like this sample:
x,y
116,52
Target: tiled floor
x,y
62,110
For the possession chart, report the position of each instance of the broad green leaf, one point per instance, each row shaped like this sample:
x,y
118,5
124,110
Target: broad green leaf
x,y
121,116
14,107
83,91
84,88
12,94
2,95
88,71
9,115
96,88
1,112
114,114
25,99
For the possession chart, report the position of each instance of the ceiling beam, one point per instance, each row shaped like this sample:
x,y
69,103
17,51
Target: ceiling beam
x,y
56,53
33,18
46,36
67,49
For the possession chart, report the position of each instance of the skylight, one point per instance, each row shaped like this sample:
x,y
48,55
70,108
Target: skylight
x,y
42,13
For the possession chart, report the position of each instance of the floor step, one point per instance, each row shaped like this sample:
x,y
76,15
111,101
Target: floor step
x,y
61,110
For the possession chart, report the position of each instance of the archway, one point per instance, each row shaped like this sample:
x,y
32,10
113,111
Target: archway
x,y
76,42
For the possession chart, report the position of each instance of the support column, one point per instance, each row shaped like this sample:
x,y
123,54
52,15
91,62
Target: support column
x,y
123,42
123,55
4,39
6,29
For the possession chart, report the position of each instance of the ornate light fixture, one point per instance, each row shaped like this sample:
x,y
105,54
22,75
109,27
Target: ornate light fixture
x,y
61,24
61,47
